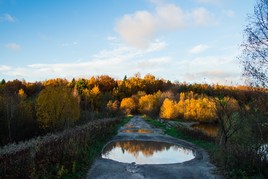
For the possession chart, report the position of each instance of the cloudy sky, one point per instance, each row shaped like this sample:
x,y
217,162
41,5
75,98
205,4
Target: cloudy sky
x,y
180,40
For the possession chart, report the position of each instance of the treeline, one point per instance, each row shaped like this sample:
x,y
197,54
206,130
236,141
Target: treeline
x,y
32,109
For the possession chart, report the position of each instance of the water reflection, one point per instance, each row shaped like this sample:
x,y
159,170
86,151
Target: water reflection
x,y
208,129
146,152
142,131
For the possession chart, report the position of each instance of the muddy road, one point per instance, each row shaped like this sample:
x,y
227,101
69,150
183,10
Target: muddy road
x,y
141,151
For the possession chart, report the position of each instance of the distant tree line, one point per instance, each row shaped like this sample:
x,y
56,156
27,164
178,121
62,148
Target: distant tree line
x,y
32,109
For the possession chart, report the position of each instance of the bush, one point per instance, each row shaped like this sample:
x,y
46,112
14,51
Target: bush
x,y
55,155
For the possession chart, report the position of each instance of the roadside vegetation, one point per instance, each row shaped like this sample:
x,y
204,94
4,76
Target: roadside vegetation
x,y
235,160
67,154
54,128
29,110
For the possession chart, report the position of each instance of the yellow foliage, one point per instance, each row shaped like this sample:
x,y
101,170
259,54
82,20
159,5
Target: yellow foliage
x,y
57,107
95,91
169,109
56,82
147,104
195,107
113,106
128,105
21,94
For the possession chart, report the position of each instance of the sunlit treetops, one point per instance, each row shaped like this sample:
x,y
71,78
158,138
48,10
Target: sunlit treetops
x,y
30,108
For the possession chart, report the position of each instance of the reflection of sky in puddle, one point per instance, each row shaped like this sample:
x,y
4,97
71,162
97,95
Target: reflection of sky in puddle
x,y
143,131
146,152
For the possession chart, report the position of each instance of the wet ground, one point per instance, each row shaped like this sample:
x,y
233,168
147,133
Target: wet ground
x,y
132,139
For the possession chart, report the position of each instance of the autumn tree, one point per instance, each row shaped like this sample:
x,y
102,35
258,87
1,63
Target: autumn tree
x,y
229,117
92,98
3,81
91,102
57,108
128,105
205,109
16,117
12,87
192,106
56,82
105,83
255,46
33,89
150,104
81,85
150,84
9,106
147,104
24,124
113,107
169,109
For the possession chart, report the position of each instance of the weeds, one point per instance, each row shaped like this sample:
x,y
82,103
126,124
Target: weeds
x,y
63,155
234,161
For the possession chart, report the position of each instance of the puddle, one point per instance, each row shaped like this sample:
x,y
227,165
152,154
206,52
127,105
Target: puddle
x,y
142,131
146,152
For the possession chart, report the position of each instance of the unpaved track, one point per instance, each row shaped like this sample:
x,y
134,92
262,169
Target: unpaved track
x,y
199,167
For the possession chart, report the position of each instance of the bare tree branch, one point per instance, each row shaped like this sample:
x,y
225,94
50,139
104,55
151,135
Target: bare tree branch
x,y
255,46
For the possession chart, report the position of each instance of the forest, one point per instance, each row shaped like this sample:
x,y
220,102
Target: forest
x,y
33,109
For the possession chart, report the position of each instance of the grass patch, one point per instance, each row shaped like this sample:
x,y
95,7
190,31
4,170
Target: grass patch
x,y
83,164
181,134
195,137
67,154
232,161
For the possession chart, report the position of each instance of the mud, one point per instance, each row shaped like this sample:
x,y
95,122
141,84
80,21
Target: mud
x,y
198,167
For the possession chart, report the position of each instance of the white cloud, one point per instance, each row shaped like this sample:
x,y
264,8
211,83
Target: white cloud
x,y
122,60
122,51
4,68
170,16
213,76
202,17
198,48
157,45
211,69
13,46
117,62
137,29
140,28
218,74
154,63
7,18
112,38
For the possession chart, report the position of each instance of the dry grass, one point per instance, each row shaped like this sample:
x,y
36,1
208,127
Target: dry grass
x,y
54,155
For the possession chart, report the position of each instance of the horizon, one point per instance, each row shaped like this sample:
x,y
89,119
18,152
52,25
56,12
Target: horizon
x,y
133,76
195,42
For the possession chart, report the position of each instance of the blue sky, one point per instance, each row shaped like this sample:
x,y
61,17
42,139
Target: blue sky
x,y
179,40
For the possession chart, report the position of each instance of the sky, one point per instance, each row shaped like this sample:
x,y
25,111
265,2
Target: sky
x,y
194,41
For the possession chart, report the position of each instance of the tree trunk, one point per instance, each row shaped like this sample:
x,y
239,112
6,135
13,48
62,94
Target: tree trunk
x,y
9,123
223,139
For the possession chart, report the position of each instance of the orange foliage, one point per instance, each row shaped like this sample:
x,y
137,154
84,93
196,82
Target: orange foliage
x,y
128,105
169,109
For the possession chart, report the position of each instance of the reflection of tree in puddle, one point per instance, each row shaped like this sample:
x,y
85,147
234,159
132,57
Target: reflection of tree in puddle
x,y
142,131
208,129
129,126
147,148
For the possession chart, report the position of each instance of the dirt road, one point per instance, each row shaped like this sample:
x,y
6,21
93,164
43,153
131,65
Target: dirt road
x,y
199,167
